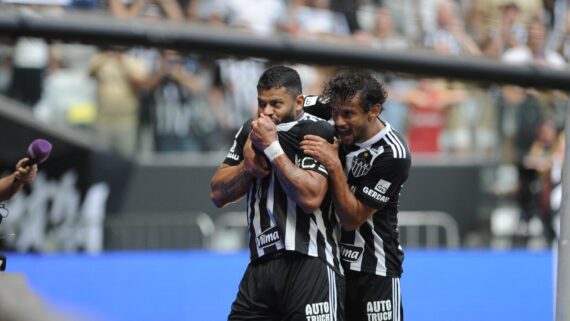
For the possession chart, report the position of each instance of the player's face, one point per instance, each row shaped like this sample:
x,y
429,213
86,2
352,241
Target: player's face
x,y
353,124
277,103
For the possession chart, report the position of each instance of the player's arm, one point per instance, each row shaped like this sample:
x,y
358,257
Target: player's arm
x,y
229,184
305,187
231,180
351,211
13,183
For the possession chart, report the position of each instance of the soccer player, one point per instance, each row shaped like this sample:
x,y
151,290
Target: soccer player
x,y
11,184
294,271
377,162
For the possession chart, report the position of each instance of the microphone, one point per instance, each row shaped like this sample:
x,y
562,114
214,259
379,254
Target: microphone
x,y
38,151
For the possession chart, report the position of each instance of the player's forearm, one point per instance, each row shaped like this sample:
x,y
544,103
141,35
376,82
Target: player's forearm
x,y
305,190
348,208
229,184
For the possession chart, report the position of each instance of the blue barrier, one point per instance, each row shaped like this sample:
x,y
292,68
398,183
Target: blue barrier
x,y
200,285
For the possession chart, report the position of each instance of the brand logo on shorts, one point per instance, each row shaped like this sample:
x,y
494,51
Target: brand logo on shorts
x,y
268,237
379,310
350,253
319,311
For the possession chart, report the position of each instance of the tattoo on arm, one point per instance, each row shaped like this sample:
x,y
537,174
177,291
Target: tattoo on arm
x,y
236,185
290,176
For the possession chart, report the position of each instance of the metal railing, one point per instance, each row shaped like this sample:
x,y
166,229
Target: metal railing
x,y
159,231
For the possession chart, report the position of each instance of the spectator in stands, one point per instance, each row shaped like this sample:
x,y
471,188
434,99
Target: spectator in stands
x,y
179,120
153,9
120,77
69,94
13,183
429,102
536,180
449,36
534,51
30,60
385,36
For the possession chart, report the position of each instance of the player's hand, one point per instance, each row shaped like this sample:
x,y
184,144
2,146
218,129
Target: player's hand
x,y
321,150
263,132
255,161
25,174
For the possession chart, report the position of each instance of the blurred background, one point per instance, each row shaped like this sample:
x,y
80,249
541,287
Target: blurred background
x,y
118,224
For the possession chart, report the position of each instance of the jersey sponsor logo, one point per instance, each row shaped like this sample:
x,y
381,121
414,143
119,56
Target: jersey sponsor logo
x,y
379,310
311,163
362,163
351,253
372,193
382,186
319,311
268,237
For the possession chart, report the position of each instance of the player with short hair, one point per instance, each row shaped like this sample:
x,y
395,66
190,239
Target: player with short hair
x,y
295,271
377,161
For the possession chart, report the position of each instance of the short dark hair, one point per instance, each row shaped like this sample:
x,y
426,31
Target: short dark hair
x,y
281,76
348,84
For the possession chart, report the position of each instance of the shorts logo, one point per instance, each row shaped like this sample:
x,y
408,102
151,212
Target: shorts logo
x,y
382,186
350,253
319,311
268,237
379,310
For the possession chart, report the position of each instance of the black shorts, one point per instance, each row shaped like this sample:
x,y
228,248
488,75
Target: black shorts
x,y
289,286
373,297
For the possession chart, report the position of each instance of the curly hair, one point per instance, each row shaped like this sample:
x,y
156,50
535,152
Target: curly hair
x,y
281,76
348,84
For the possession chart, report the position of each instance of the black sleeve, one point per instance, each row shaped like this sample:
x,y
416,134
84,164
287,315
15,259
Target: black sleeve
x,y
235,155
318,128
383,182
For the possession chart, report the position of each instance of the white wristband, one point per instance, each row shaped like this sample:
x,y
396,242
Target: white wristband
x,y
273,151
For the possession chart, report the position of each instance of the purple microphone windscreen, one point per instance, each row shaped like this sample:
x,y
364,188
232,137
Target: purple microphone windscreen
x,y
38,151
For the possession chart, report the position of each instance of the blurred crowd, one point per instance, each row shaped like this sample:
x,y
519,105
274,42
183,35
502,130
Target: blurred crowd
x,y
139,100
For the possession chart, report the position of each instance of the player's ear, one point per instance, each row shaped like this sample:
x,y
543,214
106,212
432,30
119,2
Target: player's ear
x,y
375,111
299,102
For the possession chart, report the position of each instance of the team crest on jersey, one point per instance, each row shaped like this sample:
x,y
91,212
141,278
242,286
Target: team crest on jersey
x,y
382,186
268,237
351,253
362,163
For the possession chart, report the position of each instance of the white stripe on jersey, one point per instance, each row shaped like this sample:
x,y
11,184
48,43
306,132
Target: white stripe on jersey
x,y
270,207
391,136
256,216
378,250
313,232
358,241
323,230
291,224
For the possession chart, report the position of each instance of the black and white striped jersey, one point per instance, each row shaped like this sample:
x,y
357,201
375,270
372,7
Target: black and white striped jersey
x,y
376,171
275,222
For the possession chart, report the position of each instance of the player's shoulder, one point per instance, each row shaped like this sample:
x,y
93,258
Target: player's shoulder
x,y
310,120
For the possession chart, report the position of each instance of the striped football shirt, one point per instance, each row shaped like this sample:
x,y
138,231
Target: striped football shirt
x,y
275,222
376,171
